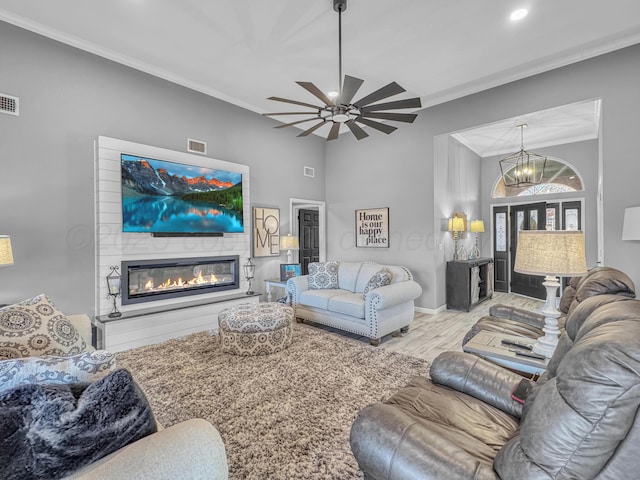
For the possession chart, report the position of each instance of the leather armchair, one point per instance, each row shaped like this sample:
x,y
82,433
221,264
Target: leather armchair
x,y
579,421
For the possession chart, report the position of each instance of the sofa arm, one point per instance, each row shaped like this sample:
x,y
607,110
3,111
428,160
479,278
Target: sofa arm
x,y
83,324
192,449
295,286
509,312
391,445
479,378
394,294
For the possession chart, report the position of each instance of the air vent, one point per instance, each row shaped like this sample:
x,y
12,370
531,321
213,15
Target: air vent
x,y
196,146
309,172
9,104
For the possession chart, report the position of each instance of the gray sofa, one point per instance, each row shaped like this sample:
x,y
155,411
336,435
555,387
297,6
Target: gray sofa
x,y
192,449
580,420
381,311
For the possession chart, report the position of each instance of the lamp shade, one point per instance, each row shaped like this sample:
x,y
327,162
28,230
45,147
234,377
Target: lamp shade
x,y
551,253
289,242
477,226
6,254
631,224
456,224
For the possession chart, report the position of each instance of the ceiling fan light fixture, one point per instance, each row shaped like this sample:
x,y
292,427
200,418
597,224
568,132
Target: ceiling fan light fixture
x,y
339,107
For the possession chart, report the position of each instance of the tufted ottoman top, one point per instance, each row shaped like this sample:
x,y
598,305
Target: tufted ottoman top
x,y
255,317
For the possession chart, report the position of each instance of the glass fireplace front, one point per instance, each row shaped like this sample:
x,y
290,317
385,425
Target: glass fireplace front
x,y
150,280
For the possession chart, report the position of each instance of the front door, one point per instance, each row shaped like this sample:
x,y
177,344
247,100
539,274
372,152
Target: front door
x,y
526,217
309,233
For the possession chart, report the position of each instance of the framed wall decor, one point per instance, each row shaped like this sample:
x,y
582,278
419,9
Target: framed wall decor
x,y
266,232
289,270
372,228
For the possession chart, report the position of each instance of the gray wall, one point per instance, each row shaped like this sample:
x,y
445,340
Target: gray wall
x,y
400,170
68,98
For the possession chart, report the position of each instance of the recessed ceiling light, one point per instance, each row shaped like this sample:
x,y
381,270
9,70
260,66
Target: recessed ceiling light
x,y
519,14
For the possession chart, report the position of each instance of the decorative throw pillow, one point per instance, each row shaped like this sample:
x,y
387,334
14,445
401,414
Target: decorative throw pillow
x,y
48,431
323,275
379,279
84,367
34,328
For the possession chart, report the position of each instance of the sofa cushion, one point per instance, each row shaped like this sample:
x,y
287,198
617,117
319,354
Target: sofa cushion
x,y
319,298
48,431
348,304
35,327
348,275
323,275
84,367
367,271
380,279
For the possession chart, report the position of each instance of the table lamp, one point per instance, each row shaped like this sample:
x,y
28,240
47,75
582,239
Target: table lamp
x,y
456,227
289,243
550,253
477,226
6,254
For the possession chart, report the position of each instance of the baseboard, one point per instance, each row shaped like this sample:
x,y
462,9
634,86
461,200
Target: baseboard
x,y
430,311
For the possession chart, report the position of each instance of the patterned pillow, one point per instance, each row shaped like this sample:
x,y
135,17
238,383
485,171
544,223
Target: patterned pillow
x,y
379,279
34,328
323,275
85,367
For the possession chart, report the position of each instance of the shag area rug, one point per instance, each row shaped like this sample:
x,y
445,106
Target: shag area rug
x,y
282,416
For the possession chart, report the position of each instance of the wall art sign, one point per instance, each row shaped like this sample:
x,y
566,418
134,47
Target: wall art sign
x,y
372,228
266,232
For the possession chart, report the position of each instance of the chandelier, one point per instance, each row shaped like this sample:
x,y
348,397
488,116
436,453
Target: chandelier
x,y
523,168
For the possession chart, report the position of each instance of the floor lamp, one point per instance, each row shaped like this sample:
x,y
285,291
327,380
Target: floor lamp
x,y
552,254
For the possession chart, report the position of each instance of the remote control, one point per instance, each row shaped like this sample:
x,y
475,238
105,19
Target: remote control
x,y
516,344
529,355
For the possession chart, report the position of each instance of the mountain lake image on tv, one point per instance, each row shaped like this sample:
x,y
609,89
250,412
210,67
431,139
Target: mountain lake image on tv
x,y
167,197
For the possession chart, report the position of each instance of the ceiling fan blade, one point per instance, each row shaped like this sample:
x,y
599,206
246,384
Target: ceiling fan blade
x,y
350,87
274,114
295,123
311,88
356,130
382,127
396,117
334,132
294,102
407,103
312,129
387,91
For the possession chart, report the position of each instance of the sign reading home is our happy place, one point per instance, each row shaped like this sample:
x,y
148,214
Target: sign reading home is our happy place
x,y
372,228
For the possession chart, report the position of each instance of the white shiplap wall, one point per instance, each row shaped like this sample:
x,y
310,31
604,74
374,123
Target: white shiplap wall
x,y
113,246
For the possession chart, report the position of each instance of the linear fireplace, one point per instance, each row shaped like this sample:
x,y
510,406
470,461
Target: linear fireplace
x,y
150,280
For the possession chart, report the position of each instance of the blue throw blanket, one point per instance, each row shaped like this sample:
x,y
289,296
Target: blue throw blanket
x,y
48,431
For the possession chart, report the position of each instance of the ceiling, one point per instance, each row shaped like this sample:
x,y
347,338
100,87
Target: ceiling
x,y
243,51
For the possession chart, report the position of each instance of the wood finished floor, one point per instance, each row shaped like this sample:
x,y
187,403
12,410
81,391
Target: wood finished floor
x,y
430,335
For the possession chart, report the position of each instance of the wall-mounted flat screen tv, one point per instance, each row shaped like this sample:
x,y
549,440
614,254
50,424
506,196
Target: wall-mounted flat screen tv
x,y
162,197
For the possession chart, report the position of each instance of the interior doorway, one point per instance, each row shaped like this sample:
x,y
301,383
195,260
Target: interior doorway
x,y
308,222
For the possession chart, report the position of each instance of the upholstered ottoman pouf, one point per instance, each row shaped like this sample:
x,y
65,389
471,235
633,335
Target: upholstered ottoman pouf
x,y
255,328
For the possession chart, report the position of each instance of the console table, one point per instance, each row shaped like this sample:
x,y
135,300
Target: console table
x,y
489,345
469,282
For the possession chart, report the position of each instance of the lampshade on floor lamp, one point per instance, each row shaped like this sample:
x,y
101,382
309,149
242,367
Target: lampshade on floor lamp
x,y
6,254
550,253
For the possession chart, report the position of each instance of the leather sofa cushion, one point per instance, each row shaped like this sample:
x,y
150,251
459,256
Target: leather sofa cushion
x,y
476,427
579,418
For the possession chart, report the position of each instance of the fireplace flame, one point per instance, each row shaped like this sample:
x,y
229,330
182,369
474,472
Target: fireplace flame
x,y
168,283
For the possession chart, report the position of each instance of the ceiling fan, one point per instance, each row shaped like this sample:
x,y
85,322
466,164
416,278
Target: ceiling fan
x,y
341,110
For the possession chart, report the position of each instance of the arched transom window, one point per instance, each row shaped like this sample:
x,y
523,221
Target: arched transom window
x,y
558,177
